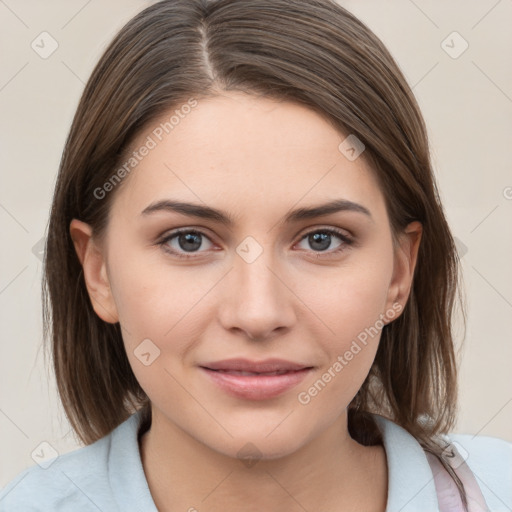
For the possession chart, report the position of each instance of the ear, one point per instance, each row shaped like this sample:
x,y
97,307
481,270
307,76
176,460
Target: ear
x,y
95,271
405,257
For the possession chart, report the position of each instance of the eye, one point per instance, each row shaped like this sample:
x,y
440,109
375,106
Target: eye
x,y
185,241
321,240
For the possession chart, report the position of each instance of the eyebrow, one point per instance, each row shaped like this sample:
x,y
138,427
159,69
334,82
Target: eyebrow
x,y
206,212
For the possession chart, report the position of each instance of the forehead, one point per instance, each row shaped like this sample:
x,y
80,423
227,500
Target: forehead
x,y
240,150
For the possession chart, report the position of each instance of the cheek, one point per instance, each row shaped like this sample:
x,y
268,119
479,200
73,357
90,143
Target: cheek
x,y
352,297
161,303
150,295
351,304
155,306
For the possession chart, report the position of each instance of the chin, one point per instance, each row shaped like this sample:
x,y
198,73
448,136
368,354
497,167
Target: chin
x,y
259,447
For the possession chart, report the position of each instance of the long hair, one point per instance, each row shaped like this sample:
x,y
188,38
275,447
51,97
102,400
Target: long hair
x,y
312,52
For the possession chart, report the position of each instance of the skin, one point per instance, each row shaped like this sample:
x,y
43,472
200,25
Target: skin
x,y
255,159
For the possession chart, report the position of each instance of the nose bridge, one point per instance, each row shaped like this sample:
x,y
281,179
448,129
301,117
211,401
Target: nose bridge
x,y
257,278
258,302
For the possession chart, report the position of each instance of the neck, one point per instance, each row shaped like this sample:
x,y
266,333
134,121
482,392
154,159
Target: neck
x,y
332,469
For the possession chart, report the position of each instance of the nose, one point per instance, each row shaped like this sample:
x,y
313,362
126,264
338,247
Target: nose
x,y
257,300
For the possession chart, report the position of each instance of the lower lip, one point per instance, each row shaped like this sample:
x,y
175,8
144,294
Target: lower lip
x,y
256,387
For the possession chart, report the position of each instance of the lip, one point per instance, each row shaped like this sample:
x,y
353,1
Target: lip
x,y
246,365
227,375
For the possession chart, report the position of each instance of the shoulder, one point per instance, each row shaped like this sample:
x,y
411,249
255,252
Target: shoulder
x,y
490,460
63,481
411,478
489,454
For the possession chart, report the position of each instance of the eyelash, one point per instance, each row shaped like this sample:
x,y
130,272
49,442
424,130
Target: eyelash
x,y
347,241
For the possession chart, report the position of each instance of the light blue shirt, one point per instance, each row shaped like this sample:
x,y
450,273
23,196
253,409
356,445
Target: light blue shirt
x,y
108,476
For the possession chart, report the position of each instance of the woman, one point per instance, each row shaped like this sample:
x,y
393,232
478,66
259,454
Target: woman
x,y
250,280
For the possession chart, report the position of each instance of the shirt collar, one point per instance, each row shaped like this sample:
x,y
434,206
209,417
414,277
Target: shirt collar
x,y
411,485
126,473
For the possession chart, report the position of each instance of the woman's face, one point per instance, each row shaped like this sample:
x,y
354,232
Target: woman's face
x,y
263,277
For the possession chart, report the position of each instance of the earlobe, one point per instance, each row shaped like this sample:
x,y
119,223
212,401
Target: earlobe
x,y
406,255
94,268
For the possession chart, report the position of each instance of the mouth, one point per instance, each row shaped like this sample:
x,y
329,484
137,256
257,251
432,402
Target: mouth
x,y
251,380
246,365
240,372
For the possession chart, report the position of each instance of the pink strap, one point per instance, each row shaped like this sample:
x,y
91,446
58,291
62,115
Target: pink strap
x,y
448,495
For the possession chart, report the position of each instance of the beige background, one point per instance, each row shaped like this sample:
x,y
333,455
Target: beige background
x,y
467,103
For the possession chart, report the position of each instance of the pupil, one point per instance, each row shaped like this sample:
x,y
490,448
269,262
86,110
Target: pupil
x,y
189,238
323,238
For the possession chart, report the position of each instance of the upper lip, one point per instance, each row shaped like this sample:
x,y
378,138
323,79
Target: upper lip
x,y
246,365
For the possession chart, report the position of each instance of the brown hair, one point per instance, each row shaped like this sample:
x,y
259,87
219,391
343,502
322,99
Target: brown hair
x,y
313,52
